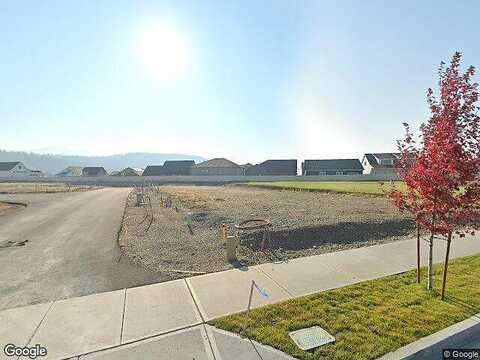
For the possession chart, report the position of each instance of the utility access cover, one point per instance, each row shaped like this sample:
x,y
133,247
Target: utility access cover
x,y
311,338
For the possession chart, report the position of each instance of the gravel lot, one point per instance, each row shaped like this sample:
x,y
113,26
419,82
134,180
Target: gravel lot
x,y
185,237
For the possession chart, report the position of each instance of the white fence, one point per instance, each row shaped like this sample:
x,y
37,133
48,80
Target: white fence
x,y
205,180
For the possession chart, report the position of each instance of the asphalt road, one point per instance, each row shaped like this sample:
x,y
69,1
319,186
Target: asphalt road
x,y
71,251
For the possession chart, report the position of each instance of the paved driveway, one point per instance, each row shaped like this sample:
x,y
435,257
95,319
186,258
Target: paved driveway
x,y
72,248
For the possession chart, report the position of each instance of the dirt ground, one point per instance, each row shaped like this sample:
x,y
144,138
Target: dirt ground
x,y
25,188
6,208
186,236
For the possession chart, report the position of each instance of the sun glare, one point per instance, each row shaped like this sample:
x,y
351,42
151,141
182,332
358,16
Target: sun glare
x,y
162,51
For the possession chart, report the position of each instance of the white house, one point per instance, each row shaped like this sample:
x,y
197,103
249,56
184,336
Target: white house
x,y
380,163
15,168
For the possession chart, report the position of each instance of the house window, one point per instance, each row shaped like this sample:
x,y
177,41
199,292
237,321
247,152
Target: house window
x,y
386,162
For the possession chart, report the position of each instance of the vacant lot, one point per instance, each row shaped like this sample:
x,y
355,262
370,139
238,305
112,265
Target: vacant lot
x,y
185,236
26,188
349,187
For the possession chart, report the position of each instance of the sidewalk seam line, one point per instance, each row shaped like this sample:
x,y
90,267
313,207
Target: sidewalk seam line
x,y
194,301
276,282
123,315
210,342
40,323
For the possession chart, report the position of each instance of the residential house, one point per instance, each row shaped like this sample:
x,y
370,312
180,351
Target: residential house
x,y
245,167
71,171
129,171
38,173
380,163
153,170
94,171
14,168
178,167
170,168
274,167
217,166
332,167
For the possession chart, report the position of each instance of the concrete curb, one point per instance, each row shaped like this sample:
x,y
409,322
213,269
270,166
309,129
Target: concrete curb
x,y
431,347
121,234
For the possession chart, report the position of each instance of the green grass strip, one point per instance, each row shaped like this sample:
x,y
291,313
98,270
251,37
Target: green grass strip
x,y
350,187
368,319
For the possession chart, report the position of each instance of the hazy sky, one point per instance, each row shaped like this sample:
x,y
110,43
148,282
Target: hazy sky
x,y
247,80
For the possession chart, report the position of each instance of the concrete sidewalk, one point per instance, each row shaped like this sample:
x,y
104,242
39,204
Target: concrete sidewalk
x,y
167,320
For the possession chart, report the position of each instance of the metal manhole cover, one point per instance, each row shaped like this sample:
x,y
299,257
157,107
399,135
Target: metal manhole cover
x,y
310,338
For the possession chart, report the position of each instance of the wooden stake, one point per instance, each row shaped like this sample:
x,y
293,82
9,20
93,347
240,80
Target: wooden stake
x,y
250,296
445,266
223,232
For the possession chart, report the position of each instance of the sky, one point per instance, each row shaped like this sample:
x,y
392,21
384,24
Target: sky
x,y
245,80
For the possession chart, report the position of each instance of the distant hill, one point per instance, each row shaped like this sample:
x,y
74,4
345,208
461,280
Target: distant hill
x,y
53,164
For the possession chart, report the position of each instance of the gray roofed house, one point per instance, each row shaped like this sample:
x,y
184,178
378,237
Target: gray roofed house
x,y
153,170
36,173
71,171
128,172
273,167
380,163
217,166
178,167
332,167
8,165
170,168
14,168
94,171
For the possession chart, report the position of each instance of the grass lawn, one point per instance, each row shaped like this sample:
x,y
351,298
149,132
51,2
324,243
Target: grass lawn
x,y
351,187
367,319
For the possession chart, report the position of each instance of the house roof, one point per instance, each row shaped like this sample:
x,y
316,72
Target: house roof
x,y
219,163
169,167
74,170
288,162
92,170
153,170
286,167
128,171
9,165
175,163
386,155
372,159
333,164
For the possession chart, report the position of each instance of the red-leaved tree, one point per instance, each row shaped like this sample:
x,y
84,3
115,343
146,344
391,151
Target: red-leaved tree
x,y
441,171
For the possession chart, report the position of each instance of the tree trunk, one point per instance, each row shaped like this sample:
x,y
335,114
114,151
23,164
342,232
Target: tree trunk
x,y
430,255
445,266
430,263
418,253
